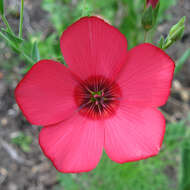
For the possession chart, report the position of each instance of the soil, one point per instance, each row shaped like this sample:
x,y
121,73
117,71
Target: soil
x,y
32,170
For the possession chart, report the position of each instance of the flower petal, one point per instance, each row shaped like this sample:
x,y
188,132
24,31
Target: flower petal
x,y
134,134
146,78
74,145
91,46
45,94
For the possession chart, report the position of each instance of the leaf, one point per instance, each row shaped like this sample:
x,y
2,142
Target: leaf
x,y
161,42
156,11
182,60
35,52
61,60
2,7
12,45
12,37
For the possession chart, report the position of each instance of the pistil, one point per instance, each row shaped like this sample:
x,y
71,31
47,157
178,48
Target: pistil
x,y
97,97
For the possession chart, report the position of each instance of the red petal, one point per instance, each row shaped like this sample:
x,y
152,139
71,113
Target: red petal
x,y
146,78
45,95
74,145
134,134
93,47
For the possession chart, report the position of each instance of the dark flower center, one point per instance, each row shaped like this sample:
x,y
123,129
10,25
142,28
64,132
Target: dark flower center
x,y
97,97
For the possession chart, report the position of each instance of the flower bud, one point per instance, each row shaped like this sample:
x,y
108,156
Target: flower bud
x,y
148,18
150,14
152,3
175,33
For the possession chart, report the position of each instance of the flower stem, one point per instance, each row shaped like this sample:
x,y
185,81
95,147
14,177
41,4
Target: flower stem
x,y
84,8
17,49
84,3
21,18
7,24
145,35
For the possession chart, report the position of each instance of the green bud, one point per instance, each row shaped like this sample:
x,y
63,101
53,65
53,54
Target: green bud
x,y
180,23
1,7
177,35
148,18
176,32
156,10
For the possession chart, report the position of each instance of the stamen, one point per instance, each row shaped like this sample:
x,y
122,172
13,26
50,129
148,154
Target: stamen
x,y
97,97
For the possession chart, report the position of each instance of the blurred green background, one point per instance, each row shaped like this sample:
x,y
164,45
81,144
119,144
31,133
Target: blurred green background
x,y
171,168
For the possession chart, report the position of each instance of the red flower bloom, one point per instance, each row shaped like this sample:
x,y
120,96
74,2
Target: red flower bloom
x,y
106,98
152,2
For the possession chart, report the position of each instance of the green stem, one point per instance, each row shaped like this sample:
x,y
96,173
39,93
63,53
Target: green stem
x,y
84,8
17,49
180,62
7,24
167,45
21,18
145,35
28,58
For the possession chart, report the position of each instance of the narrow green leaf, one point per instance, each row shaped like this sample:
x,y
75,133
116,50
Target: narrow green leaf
x,y
12,37
61,60
182,60
12,45
156,10
35,52
16,48
21,18
5,21
2,7
161,42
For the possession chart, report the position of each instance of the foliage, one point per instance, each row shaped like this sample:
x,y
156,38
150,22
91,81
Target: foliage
x,y
23,141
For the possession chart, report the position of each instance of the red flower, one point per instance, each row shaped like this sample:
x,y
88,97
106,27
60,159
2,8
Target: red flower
x,y
106,98
152,2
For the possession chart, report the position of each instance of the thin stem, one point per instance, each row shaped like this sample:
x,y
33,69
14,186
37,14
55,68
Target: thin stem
x,y
145,35
7,24
21,18
84,7
17,49
28,58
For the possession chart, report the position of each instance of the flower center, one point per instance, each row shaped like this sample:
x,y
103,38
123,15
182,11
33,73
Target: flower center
x,y
97,97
